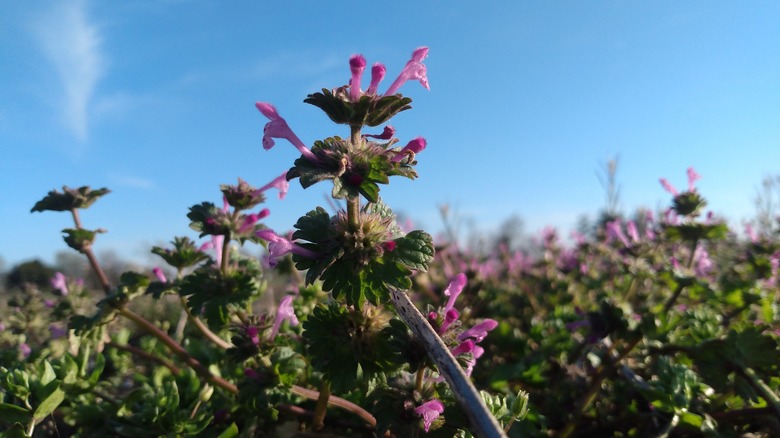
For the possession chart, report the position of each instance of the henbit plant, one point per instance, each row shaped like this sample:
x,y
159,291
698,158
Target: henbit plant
x,y
249,371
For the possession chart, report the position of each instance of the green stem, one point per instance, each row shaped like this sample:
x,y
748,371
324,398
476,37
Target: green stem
x,y
91,256
772,399
178,350
203,329
420,375
225,254
318,422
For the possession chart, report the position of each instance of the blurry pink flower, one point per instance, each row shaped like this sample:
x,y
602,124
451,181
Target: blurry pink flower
x,y
277,128
703,264
280,183
632,231
60,282
479,331
159,274
751,233
413,147
668,186
386,134
57,331
26,350
692,178
377,74
254,334
357,63
429,411
285,312
615,231
251,219
414,69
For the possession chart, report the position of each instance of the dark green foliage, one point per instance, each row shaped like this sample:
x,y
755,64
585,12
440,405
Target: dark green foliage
x,y
69,199
368,111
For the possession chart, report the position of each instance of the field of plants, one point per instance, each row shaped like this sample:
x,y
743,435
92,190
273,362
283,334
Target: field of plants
x,y
659,324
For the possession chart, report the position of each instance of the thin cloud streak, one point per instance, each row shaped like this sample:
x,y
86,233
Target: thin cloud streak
x,y
73,46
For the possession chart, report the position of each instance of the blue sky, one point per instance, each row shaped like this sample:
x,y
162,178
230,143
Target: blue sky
x,y
528,99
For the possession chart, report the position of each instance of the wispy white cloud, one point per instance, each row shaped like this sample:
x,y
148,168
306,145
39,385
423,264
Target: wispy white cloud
x,y
73,45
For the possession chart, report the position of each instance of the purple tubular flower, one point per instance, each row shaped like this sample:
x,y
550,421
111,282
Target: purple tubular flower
x,y
357,63
377,74
668,187
692,178
215,244
413,147
60,283
464,347
479,331
278,128
615,231
429,411
414,69
26,350
386,134
454,289
279,246
285,312
280,183
251,219
450,316
254,334
633,233
159,274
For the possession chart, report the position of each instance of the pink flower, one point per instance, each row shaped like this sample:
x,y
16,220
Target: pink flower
x,y
692,178
632,231
413,147
377,74
454,289
668,186
280,183
357,63
159,274
414,69
215,244
615,231
251,219
429,411
386,134
60,283
278,128
751,233
285,312
279,246
479,331
254,334
464,347
26,350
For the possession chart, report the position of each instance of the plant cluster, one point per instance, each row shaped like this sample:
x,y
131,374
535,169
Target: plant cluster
x,y
232,365
663,326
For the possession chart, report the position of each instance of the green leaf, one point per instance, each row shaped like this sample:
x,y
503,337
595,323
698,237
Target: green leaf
x,y
230,432
47,374
69,199
80,239
10,414
415,250
50,402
